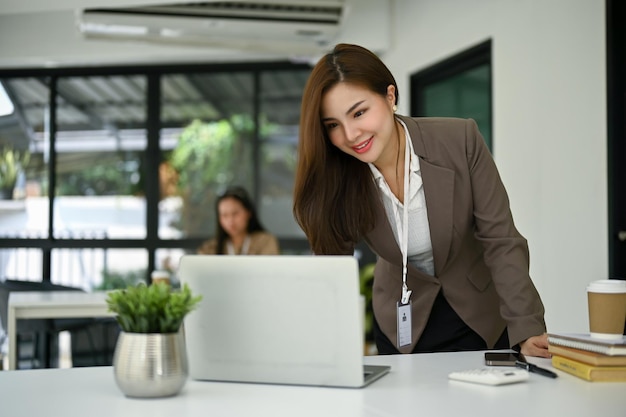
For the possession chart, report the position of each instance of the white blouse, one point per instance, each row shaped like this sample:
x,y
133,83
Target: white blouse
x,y
420,250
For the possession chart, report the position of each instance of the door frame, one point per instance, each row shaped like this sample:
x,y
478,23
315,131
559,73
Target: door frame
x,y
616,134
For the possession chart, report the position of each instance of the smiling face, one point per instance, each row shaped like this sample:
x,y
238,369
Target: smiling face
x,y
360,122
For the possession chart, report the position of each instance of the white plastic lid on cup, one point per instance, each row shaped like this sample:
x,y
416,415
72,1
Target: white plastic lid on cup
x,y
160,275
607,286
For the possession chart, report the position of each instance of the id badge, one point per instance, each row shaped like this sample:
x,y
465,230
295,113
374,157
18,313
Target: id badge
x,y
404,324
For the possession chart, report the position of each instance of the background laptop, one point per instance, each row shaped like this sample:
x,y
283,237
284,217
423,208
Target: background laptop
x,y
276,319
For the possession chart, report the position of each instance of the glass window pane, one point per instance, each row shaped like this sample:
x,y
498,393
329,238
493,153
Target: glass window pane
x,y
207,136
281,94
23,159
168,259
100,144
21,264
99,268
467,94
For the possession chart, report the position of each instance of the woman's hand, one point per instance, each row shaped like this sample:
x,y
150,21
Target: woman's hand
x,y
536,346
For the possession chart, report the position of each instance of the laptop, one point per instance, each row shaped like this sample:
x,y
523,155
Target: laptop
x,y
283,319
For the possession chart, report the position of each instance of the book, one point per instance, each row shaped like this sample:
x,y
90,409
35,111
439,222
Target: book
x,y
584,341
589,372
585,356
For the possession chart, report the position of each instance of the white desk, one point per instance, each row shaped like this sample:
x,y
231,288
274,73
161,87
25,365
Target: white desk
x,y
417,386
51,305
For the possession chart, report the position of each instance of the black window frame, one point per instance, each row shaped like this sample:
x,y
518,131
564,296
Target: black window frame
x,y
152,242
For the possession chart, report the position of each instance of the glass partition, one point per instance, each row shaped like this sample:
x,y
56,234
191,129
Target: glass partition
x,y
467,94
208,144
116,170
24,132
100,143
459,86
280,96
95,269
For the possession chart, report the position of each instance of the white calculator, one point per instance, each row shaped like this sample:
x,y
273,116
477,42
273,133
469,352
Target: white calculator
x,y
490,376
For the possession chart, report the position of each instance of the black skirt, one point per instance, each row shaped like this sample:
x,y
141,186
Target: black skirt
x,y
445,331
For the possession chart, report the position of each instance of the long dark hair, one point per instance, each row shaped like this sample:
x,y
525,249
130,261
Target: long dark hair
x,y
334,192
254,225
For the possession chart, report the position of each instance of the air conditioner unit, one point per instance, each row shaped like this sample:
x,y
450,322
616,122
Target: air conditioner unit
x,y
297,26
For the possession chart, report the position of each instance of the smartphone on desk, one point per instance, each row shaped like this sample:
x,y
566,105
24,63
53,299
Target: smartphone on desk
x,y
503,358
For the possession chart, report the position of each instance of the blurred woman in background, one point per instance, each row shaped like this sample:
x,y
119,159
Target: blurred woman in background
x,y
239,231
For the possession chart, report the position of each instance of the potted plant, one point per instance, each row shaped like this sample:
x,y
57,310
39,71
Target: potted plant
x,y
150,357
11,163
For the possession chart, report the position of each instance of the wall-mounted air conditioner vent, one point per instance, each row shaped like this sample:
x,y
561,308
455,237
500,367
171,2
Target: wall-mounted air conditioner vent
x,y
297,26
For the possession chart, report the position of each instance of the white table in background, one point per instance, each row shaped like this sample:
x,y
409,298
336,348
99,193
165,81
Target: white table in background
x,y
51,305
417,386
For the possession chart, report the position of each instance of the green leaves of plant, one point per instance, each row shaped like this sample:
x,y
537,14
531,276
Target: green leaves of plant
x,y
151,309
11,161
204,150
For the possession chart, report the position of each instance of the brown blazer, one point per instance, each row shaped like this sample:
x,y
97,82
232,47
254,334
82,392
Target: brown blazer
x,y
481,260
261,243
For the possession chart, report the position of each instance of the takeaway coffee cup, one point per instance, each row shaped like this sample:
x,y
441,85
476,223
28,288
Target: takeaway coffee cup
x,y
607,308
160,276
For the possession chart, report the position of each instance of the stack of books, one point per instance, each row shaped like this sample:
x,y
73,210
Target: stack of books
x,y
588,358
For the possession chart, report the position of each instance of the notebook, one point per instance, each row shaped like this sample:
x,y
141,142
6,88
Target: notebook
x,y
584,341
283,319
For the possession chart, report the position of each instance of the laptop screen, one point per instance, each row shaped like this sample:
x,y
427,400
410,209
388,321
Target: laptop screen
x,y
275,319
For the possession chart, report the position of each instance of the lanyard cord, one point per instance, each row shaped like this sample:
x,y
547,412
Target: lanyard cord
x,y
404,247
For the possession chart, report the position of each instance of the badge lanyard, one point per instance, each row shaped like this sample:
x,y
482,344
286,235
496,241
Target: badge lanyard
x,y
404,305
244,247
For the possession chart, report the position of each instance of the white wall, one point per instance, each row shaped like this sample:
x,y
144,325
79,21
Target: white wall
x,y
549,94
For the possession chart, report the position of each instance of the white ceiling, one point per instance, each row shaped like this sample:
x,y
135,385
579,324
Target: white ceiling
x,y
42,33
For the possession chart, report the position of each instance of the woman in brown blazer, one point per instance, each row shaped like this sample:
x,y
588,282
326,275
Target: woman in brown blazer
x,y
467,283
239,231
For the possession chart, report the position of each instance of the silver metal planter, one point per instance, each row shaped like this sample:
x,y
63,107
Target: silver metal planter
x,y
150,364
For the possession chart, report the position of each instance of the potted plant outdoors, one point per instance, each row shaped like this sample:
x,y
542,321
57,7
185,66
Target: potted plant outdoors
x,y
150,357
11,163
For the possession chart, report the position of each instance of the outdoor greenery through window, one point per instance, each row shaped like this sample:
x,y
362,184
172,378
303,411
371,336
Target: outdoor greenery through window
x,y
117,170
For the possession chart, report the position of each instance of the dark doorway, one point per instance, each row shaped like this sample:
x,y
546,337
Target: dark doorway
x,y
616,146
459,86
